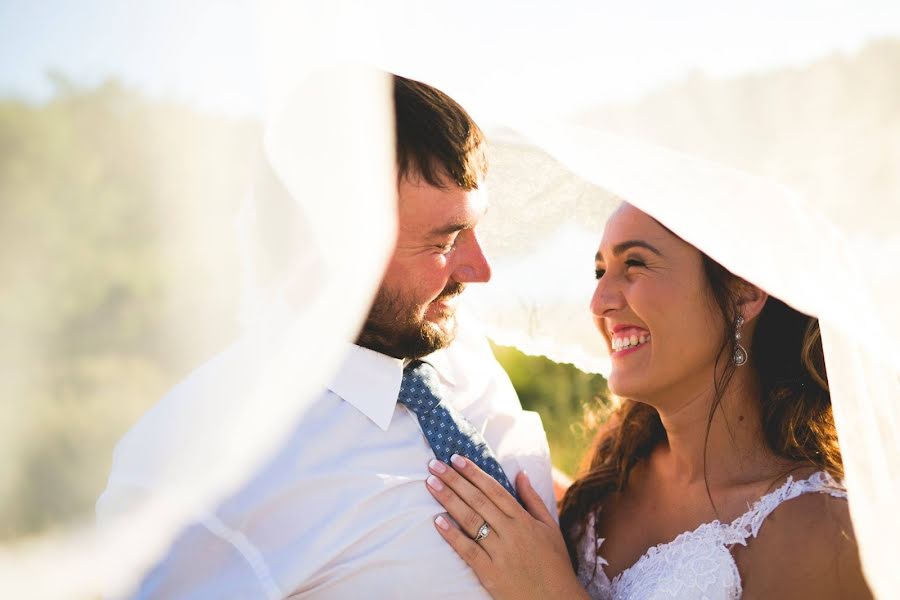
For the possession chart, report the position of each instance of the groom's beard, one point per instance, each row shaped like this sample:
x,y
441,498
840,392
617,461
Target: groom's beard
x,y
395,328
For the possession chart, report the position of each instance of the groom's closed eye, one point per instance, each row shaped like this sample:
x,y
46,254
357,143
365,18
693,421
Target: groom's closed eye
x,y
448,244
444,238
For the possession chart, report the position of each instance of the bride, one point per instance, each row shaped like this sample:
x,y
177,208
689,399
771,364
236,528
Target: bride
x,y
719,475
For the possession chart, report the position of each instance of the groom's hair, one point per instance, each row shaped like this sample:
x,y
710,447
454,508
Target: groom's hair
x,y
436,137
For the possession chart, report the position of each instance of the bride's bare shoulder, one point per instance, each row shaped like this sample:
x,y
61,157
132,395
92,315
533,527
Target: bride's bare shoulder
x,y
804,549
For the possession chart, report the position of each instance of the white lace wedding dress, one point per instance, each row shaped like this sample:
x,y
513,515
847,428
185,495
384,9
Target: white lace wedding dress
x,y
696,564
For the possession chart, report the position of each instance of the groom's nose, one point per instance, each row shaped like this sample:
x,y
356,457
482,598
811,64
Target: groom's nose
x,y
473,265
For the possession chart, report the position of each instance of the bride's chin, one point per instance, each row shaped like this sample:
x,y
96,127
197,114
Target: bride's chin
x,y
623,388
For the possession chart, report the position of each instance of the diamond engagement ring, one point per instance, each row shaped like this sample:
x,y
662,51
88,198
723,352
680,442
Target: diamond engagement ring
x,y
483,532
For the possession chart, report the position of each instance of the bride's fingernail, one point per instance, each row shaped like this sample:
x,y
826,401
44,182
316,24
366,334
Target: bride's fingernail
x,y
434,483
437,465
442,522
458,460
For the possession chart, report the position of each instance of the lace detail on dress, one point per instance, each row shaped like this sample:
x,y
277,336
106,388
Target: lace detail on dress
x,y
696,564
749,523
590,564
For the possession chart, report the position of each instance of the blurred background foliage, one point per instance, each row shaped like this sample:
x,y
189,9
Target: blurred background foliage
x,y
115,209
94,186
571,403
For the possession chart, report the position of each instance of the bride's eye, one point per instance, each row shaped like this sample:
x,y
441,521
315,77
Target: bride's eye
x,y
598,273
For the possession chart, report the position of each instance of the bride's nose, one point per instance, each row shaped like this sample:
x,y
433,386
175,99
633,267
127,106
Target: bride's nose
x,y
607,297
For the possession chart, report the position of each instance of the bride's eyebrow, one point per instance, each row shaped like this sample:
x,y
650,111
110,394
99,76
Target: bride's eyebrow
x,y
627,245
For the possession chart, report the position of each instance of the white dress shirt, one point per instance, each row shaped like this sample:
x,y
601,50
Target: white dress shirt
x,y
342,510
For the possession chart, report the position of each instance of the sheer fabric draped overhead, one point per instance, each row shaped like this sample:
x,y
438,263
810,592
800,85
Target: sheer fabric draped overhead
x,y
695,155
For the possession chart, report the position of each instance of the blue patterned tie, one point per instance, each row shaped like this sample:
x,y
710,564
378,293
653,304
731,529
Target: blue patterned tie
x,y
444,427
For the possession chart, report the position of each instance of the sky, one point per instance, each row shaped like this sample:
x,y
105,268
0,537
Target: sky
x,y
588,51
201,52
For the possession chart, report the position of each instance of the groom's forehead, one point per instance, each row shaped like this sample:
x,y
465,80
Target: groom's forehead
x,y
461,213
440,211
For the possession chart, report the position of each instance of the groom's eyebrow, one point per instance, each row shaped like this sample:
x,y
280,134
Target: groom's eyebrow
x,y
623,246
455,226
451,228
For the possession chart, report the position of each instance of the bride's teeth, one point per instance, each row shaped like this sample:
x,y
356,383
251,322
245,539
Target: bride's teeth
x,y
622,343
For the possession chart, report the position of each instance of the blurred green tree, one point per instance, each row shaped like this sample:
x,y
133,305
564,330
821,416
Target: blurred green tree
x,y
88,182
570,402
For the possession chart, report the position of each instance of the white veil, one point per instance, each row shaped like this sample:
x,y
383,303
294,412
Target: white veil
x,y
702,158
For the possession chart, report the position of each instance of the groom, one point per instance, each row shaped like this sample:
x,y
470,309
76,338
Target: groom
x,y
342,510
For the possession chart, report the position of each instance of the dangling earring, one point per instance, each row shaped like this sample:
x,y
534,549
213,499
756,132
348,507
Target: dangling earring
x,y
740,353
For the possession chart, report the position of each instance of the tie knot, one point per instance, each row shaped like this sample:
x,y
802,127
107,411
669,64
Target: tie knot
x,y
420,389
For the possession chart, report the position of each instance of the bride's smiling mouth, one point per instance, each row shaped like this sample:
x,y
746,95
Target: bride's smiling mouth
x,y
627,340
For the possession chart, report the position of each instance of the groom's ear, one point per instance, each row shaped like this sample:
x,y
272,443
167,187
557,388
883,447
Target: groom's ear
x,y
750,300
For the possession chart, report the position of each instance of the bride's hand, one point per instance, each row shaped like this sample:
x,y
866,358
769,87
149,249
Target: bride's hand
x,y
524,555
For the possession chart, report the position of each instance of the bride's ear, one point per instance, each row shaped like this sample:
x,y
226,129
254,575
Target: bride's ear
x,y
750,301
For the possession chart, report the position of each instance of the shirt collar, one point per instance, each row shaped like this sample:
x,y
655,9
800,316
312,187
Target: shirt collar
x,y
370,381
441,362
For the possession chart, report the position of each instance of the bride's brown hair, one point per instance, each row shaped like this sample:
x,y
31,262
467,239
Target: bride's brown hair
x,y
796,416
